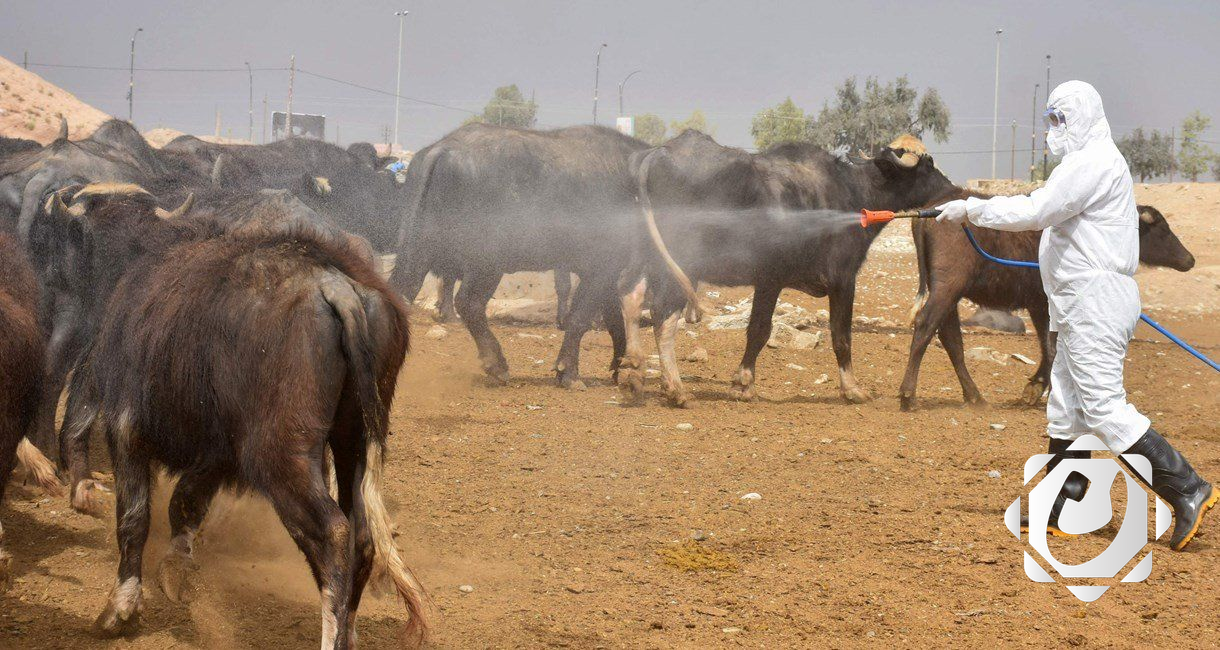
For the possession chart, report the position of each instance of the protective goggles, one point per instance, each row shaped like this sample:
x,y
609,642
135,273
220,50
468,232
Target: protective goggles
x,y
1054,117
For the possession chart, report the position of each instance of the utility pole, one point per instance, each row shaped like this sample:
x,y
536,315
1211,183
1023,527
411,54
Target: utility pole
x,y
131,74
251,73
1033,134
995,116
263,140
292,76
597,71
1012,173
218,121
402,16
620,92
1045,147
25,60
1173,156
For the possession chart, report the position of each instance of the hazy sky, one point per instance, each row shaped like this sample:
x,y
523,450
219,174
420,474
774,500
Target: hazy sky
x,y
1153,62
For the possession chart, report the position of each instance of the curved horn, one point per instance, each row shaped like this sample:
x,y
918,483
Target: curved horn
x,y
181,210
63,129
907,160
218,169
56,206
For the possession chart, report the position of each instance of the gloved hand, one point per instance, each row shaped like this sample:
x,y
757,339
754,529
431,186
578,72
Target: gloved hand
x,y
952,212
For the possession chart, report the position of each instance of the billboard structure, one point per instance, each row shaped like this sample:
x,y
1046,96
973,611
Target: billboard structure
x,y
303,126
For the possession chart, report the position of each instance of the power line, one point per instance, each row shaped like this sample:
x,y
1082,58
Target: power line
x,y
124,69
387,93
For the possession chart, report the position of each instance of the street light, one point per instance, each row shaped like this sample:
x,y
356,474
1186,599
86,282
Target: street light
x,y
402,15
251,73
995,116
131,73
620,91
1033,134
597,71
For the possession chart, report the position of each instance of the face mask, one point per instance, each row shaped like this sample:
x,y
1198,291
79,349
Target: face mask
x,y
1056,140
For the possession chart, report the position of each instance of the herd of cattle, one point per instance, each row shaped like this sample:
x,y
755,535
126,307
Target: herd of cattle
x,y
219,312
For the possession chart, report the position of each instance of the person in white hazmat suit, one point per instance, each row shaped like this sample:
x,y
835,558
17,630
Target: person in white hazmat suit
x,y
1088,253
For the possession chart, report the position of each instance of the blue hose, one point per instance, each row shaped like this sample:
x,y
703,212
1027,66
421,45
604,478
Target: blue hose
x,y
1144,317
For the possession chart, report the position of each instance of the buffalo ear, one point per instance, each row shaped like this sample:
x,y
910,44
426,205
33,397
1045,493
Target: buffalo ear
x,y
1147,216
320,185
888,164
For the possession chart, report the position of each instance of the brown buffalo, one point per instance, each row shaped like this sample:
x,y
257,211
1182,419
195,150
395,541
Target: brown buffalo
x,y
237,360
950,269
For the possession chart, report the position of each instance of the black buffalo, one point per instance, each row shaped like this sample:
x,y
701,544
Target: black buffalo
x,y
771,220
488,200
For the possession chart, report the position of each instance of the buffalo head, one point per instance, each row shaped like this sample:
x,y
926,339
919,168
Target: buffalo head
x,y
1159,246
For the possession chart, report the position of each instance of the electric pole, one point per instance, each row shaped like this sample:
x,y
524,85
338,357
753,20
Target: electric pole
x,y
251,73
597,71
292,76
1033,134
1012,172
1045,147
131,74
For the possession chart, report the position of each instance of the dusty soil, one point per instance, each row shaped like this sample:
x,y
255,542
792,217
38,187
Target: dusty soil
x,y
582,522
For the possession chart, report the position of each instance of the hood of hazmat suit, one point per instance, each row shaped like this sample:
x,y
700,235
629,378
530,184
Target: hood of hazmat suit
x,y
1089,250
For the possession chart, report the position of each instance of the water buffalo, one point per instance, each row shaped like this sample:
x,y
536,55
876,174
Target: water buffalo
x,y
21,349
730,217
488,200
236,360
16,145
950,269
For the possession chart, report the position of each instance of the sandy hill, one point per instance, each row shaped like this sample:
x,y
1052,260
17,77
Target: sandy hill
x,y
30,107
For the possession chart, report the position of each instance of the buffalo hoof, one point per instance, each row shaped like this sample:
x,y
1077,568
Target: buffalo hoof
x,y
907,403
174,577
743,393
92,498
1032,394
856,395
631,383
122,614
573,384
6,565
976,402
497,373
680,399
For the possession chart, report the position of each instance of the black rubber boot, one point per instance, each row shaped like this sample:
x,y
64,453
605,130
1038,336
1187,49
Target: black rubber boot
x,y
1074,486
1175,481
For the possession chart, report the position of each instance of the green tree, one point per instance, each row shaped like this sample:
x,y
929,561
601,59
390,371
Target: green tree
x,y
879,115
650,128
784,122
1147,155
1216,167
1051,163
508,107
1193,155
696,121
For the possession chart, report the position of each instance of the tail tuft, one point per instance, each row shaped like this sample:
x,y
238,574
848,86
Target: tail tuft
x,y
387,561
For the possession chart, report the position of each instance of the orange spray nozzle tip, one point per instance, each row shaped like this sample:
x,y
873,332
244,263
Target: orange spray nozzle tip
x,y
870,217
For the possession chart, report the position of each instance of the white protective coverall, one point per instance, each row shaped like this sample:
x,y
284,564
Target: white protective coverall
x,y
1088,253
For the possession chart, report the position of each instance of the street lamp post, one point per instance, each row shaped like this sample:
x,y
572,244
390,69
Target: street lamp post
x,y
1045,157
1033,134
402,15
131,74
620,91
597,71
250,72
995,116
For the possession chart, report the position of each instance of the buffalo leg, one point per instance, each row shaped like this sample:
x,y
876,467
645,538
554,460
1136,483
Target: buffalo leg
x,y
950,333
757,334
80,420
1040,382
187,508
131,473
631,365
927,321
444,300
563,291
841,305
349,468
408,275
665,328
472,301
612,314
63,348
11,431
590,294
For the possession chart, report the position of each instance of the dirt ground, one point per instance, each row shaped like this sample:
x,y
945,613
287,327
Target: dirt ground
x,y
577,521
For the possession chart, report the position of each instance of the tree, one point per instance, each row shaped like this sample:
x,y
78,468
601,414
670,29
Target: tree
x,y
696,121
650,128
879,115
1193,155
508,107
1216,167
784,122
1147,156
